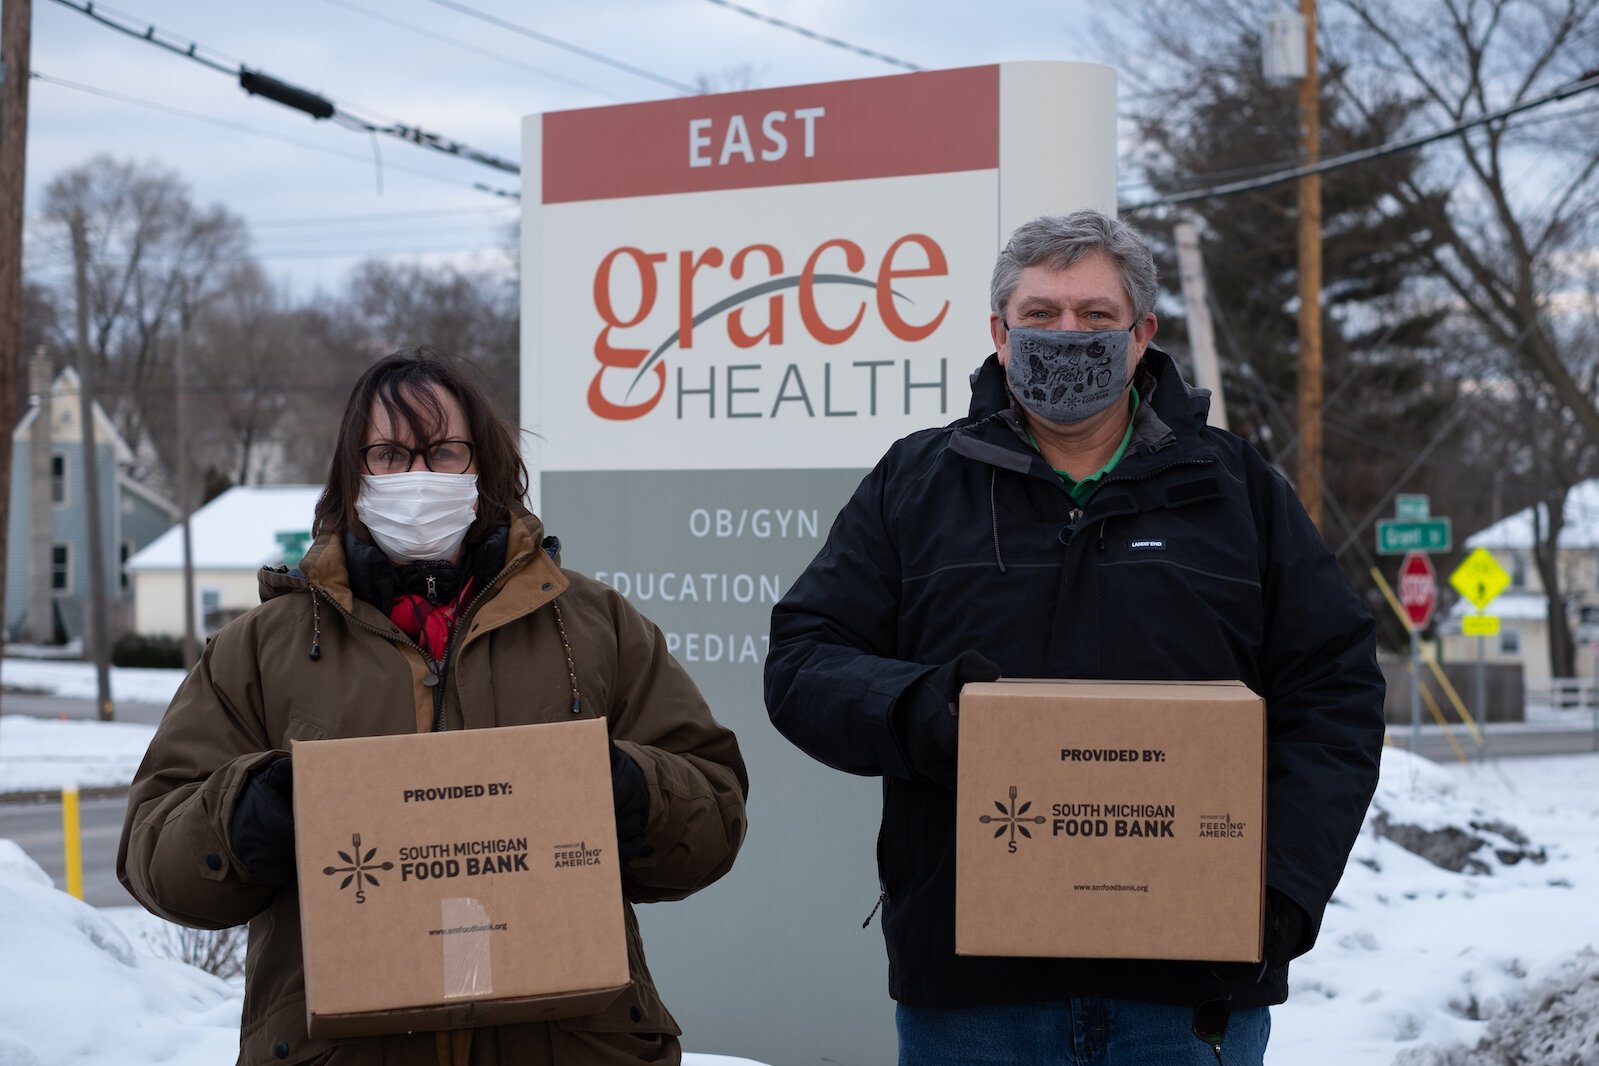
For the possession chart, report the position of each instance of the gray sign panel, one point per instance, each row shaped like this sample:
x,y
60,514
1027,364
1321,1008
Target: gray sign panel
x,y
706,554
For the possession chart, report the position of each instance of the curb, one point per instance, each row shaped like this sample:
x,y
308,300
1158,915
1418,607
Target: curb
x,y
53,795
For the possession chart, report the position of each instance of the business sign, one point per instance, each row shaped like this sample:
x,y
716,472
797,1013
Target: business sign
x,y
732,306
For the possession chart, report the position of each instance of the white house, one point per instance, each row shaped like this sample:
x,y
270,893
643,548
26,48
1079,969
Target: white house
x,y
1523,607
234,535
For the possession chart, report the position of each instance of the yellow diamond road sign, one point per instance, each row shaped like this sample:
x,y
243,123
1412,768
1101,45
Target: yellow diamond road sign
x,y
1480,578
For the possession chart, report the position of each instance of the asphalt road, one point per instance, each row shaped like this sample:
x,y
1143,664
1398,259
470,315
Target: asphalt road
x,y
37,828
61,707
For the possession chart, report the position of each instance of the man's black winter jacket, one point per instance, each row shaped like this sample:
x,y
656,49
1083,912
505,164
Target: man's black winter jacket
x,y
964,538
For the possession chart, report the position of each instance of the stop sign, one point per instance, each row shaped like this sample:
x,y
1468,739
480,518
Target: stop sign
x,y
1418,587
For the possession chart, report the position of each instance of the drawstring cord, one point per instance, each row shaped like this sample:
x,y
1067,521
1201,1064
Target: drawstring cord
x,y
993,514
571,667
316,629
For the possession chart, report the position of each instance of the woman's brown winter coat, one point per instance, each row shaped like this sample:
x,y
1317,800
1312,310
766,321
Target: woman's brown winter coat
x,y
257,687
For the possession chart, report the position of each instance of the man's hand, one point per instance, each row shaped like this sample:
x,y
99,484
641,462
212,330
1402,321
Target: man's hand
x,y
926,718
1285,929
262,832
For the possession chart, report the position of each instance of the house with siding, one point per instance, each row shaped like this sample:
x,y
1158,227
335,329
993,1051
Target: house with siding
x,y
1523,607
231,538
131,516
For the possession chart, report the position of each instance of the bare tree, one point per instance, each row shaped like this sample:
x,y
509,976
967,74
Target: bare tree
x,y
148,246
1493,223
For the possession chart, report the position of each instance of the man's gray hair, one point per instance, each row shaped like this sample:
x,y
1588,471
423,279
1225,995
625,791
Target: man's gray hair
x,y
1058,241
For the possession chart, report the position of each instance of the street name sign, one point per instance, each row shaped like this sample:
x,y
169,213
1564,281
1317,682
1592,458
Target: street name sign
x,y
1414,507
1396,537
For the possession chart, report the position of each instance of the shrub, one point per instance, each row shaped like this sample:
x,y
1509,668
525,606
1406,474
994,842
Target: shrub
x,y
134,649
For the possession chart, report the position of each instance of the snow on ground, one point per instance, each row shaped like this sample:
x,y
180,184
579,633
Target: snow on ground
x,y
76,680
1462,934
41,753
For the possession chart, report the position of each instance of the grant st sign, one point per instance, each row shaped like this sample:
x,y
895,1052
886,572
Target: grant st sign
x,y
732,306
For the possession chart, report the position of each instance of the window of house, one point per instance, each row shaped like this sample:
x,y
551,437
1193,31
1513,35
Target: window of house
x,y
58,478
1510,642
123,555
211,610
61,568
1518,570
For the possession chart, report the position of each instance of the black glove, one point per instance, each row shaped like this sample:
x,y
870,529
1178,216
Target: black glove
x,y
1286,922
926,716
630,795
263,824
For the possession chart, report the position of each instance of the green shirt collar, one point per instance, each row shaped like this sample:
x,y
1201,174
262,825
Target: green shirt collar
x,y
1082,490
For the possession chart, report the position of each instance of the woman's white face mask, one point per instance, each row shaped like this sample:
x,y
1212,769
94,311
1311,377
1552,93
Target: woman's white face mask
x,y
418,515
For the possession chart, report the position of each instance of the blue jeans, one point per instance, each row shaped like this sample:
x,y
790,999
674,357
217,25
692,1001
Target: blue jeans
x,y
1074,1032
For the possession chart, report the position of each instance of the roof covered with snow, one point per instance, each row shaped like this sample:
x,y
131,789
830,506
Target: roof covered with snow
x,y
1515,531
239,530
1510,606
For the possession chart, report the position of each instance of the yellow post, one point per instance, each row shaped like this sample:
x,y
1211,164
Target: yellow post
x,y
72,840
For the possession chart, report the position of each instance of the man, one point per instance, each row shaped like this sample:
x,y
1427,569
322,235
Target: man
x,y
1004,544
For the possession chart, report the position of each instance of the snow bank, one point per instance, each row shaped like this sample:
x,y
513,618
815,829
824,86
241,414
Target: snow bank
x,y
1420,959
81,987
74,990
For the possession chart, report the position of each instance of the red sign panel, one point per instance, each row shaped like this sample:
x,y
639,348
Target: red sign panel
x,y
1418,587
933,122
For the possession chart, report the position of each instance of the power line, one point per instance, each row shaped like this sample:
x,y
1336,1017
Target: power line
x,y
555,42
813,35
467,46
253,131
1587,81
257,83
378,216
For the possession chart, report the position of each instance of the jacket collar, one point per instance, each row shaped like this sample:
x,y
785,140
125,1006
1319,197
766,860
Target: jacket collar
x,y
529,555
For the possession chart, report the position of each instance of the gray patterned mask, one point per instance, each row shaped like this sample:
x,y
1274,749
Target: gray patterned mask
x,y
1065,376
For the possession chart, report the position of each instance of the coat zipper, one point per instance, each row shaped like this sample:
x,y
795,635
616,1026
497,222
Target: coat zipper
x,y
435,678
449,646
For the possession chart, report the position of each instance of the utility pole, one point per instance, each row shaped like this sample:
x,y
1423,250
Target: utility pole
x,y
41,504
191,652
1196,311
1309,479
16,29
97,631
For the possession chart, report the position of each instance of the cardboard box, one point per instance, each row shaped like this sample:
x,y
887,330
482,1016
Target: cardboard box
x,y
1111,820
458,879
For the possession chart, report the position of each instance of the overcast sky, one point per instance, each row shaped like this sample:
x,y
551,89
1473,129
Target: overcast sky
x,y
311,190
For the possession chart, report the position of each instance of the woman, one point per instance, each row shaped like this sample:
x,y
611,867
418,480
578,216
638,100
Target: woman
x,y
430,599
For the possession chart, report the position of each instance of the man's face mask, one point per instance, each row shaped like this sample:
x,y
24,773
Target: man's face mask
x,y
1065,376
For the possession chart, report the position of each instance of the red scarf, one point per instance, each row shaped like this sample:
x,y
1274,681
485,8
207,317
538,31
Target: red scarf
x,y
428,624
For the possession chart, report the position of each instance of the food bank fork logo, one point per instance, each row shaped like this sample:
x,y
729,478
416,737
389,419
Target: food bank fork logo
x,y
1011,820
360,869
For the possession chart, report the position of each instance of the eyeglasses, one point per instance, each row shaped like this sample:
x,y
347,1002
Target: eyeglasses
x,y
441,457
1210,1024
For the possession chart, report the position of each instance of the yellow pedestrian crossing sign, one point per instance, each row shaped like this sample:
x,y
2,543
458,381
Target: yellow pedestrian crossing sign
x,y
1480,578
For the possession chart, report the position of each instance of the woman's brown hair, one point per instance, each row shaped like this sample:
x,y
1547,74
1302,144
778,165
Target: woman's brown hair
x,y
403,384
